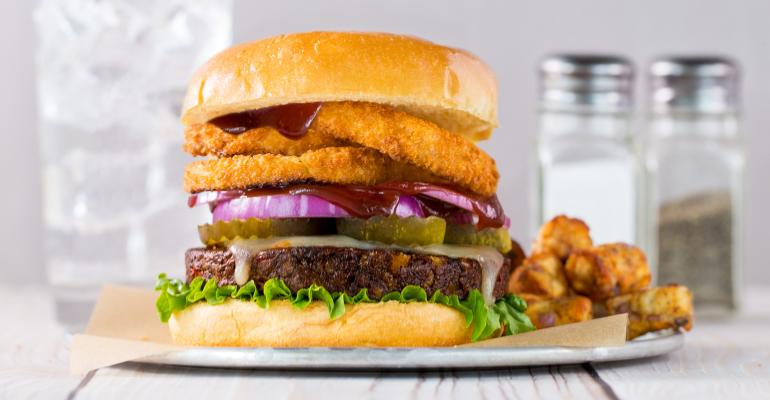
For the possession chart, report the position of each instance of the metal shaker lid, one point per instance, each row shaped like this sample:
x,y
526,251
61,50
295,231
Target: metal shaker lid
x,y
586,82
694,83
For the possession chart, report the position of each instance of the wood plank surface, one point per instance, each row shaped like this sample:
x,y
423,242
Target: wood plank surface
x,y
34,349
722,359
725,359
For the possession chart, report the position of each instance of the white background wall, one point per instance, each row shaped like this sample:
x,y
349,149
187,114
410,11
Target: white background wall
x,y
510,35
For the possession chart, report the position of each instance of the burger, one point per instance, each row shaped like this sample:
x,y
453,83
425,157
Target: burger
x,y
350,205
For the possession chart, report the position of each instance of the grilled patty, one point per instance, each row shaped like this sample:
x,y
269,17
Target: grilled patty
x,y
346,269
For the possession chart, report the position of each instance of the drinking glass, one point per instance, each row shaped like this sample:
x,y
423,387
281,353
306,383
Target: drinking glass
x,y
111,75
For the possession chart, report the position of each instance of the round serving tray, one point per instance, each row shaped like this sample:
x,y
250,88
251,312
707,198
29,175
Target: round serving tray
x,y
322,358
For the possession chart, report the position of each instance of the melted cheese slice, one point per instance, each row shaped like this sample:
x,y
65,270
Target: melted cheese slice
x,y
490,259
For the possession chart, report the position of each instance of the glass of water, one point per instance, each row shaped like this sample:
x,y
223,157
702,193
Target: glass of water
x,y
111,75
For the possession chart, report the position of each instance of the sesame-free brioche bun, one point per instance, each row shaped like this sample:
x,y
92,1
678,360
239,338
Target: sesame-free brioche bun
x,y
447,86
238,323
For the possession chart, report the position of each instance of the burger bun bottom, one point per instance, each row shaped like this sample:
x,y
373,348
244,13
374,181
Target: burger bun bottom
x,y
237,323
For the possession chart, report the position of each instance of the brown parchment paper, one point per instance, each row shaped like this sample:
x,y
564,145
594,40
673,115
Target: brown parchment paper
x,y
124,326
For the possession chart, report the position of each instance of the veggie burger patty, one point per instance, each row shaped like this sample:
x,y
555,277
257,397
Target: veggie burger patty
x,y
346,269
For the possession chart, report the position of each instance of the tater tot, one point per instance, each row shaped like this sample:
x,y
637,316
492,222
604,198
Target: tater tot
x,y
541,274
546,313
654,309
608,270
561,235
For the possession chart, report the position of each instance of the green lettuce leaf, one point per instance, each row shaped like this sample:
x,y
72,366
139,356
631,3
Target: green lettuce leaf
x,y
505,317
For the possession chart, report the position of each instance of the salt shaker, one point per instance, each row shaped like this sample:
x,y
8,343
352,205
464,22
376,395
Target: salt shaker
x,y
587,165
694,172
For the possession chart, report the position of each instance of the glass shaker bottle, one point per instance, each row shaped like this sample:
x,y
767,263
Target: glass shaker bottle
x,y
694,162
587,166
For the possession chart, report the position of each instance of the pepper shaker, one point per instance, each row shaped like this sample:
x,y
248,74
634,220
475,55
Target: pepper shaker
x,y
694,172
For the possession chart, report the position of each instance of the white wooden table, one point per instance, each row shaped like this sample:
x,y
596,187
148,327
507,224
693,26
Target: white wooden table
x,y
725,359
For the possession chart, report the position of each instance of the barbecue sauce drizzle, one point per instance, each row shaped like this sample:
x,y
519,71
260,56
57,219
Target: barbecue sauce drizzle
x,y
290,120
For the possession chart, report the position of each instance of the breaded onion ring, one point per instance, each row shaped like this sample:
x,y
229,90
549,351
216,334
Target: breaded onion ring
x,y
397,134
338,165
209,140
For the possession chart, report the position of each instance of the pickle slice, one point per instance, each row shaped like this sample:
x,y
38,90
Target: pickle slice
x,y
468,235
394,230
222,231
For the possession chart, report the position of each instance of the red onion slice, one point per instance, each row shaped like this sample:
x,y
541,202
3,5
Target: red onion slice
x,y
277,206
296,206
399,198
460,201
408,206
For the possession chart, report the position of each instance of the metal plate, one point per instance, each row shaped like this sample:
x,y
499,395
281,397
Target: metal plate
x,y
322,358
